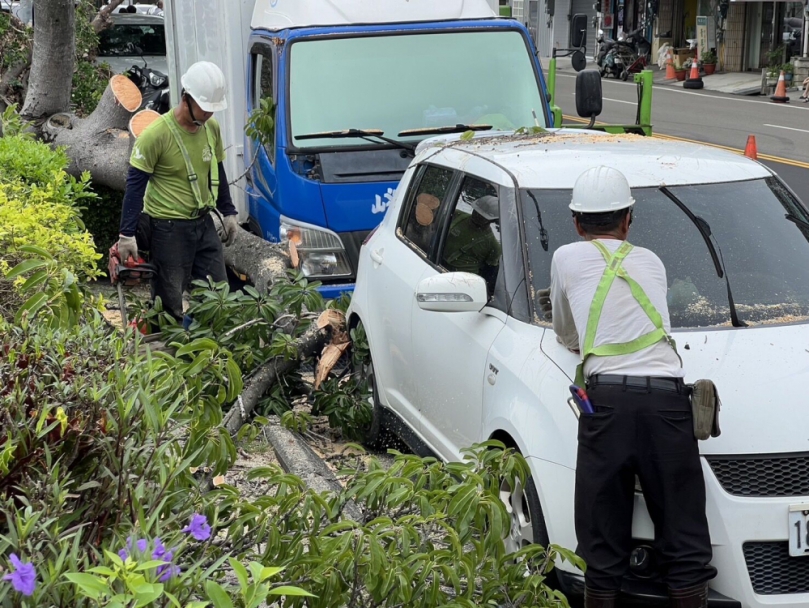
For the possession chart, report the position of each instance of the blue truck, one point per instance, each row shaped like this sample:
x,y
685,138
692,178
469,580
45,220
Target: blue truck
x,y
355,85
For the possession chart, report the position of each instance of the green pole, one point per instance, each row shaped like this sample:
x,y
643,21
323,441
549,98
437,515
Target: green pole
x,y
555,110
645,80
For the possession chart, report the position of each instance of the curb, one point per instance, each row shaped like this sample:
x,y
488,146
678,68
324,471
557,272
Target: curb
x,y
297,458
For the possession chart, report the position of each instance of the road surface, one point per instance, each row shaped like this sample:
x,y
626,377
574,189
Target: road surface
x,y
781,130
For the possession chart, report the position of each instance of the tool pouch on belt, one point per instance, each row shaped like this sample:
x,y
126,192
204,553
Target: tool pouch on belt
x,y
705,404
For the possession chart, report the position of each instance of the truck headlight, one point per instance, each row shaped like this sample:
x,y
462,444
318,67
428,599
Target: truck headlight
x,y
321,254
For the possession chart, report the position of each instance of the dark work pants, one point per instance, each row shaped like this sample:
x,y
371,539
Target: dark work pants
x,y
183,251
648,434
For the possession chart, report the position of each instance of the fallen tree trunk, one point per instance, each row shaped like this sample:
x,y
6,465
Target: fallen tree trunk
x,y
100,143
262,262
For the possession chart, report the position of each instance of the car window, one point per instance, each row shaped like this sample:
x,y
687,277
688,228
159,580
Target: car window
x,y
764,253
128,40
472,241
424,202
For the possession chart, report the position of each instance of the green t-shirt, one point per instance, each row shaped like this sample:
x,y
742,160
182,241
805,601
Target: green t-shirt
x,y
469,247
169,195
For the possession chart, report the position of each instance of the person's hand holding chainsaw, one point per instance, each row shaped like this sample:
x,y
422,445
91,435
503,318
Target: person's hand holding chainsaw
x,y
127,247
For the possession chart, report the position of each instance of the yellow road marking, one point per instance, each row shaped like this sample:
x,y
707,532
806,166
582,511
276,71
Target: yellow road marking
x,y
769,157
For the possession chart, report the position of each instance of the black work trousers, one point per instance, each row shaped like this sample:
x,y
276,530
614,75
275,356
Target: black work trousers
x,y
648,433
183,251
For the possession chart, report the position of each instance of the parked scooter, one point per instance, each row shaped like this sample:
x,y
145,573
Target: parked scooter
x,y
627,55
609,62
153,85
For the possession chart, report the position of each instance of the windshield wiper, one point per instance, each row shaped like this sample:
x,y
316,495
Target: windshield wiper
x,y
716,252
443,130
367,134
796,220
543,234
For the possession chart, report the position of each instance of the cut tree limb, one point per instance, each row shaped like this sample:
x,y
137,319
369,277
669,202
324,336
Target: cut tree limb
x,y
312,341
103,18
141,120
100,143
262,262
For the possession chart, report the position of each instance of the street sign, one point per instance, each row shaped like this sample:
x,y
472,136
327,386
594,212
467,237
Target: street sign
x,y
702,36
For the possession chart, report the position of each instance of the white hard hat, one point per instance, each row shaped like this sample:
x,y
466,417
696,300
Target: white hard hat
x,y
601,190
205,82
488,207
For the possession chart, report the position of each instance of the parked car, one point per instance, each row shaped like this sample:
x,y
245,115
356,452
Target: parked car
x,y
134,39
460,357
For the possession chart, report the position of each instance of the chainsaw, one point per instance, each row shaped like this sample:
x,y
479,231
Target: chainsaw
x,y
127,274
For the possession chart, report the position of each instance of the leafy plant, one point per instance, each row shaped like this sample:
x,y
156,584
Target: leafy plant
x,y
709,57
787,68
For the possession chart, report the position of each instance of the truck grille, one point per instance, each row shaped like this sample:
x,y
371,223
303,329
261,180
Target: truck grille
x,y
773,572
768,475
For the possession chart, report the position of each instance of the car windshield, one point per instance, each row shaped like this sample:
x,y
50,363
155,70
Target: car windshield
x,y
402,82
764,253
128,40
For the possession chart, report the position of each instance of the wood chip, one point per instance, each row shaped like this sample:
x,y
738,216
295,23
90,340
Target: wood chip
x,y
331,318
293,254
218,480
126,92
141,120
331,355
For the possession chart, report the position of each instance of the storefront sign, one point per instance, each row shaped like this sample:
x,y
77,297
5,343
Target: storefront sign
x,y
702,36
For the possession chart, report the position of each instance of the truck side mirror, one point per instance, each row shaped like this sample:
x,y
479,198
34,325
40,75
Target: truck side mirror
x,y
588,95
578,61
578,31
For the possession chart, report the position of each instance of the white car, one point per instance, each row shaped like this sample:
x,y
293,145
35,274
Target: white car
x,y
459,357
134,39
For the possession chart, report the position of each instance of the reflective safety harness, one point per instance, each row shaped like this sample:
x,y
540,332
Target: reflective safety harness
x,y
615,269
193,179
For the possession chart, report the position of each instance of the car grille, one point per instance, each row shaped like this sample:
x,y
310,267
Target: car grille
x,y
773,571
769,475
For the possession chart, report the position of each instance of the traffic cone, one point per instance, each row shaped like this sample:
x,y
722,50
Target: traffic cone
x,y
750,150
694,81
780,90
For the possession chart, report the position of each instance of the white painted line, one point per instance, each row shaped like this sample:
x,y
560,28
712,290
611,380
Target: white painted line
x,y
789,128
727,96
631,103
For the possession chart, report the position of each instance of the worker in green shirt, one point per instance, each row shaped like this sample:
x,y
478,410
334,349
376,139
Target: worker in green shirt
x,y
471,245
176,179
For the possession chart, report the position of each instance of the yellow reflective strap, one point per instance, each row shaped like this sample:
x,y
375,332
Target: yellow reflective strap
x,y
214,164
615,269
193,178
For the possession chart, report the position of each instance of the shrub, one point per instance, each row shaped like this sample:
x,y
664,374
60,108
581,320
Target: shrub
x,y
102,217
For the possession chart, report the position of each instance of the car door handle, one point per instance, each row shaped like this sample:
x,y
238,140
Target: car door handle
x,y
376,256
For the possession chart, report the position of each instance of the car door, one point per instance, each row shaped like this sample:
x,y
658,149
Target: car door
x,y
450,349
398,262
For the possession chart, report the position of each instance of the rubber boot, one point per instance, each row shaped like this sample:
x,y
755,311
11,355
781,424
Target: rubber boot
x,y
692,597
593,598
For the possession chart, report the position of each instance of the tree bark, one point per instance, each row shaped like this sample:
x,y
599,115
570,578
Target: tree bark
x,y
264,263
100,143
103,19
53,59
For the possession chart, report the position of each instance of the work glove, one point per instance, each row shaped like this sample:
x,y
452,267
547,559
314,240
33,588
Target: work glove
x,y
127,247
230,225
545,307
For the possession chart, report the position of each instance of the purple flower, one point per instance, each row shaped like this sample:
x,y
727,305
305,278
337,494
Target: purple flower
x,y
167,570
159,549
142,545
199,528
123,554
23,578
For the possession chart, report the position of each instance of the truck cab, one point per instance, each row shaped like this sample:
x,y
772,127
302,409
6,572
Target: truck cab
x,y
355,86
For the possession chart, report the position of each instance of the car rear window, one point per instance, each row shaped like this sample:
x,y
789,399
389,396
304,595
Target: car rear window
x,y
126,40
766,255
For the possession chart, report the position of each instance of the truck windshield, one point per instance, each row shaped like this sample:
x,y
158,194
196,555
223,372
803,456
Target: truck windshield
x,y
400,82
764,253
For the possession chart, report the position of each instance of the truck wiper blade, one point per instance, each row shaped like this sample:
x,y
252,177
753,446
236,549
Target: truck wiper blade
x,y
366,134
443,130
716,253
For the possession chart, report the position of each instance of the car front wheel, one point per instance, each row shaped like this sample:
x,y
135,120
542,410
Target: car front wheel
x,y
527,521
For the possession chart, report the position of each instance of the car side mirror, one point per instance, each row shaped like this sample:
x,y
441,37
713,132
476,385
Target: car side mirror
x,y
588,95
452,292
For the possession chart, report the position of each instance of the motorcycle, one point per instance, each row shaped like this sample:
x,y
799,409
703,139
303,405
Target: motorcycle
x,y
153,85
609,63
627,55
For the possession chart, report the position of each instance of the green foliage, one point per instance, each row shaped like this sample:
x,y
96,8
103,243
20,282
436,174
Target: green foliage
x,y
102,217
15,47
89,80
709,57
788,68
261,124
775,57
12,125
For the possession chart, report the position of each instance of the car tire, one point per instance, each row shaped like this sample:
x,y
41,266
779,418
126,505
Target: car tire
x,y
377,437
624,75
527,519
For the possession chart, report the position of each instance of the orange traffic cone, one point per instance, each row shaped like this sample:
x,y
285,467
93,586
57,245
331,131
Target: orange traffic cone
x,y
750,150
780,90
694,81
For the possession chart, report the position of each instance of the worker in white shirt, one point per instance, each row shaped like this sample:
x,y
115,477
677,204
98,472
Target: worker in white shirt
x,y
608,302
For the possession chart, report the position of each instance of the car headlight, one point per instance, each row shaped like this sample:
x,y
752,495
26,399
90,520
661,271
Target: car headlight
x,y
320,252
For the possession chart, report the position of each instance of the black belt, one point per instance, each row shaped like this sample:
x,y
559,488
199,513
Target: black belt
x,y
642,383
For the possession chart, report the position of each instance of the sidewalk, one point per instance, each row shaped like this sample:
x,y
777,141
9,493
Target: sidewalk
x,y
734,83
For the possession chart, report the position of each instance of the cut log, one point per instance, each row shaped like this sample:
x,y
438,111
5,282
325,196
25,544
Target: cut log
x,y
308,344
141,120
126,93
262,262
335,321
100,143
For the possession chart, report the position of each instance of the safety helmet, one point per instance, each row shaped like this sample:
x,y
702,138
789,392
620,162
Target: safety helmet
x,y
205,82
601,190
488,207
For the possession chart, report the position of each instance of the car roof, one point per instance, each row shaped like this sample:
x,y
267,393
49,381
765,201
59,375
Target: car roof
x,y
137,19
555,159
